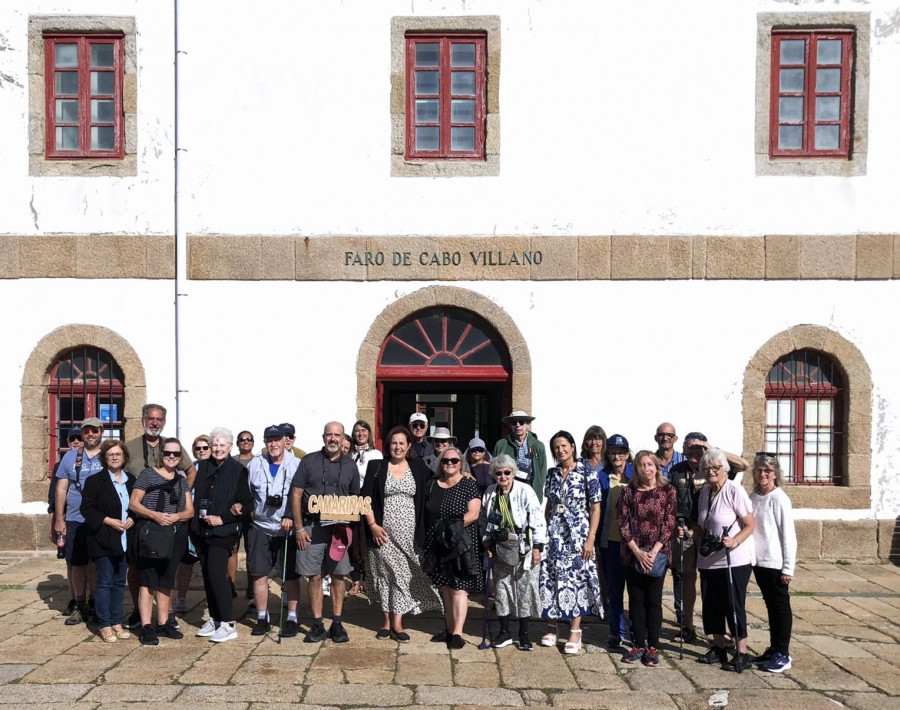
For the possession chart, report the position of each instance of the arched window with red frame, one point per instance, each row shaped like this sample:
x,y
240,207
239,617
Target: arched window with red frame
x,y
805,417
84,382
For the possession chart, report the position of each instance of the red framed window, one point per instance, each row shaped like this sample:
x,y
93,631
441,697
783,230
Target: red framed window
x,y
445,96
85,114
810,103
84,382
804,417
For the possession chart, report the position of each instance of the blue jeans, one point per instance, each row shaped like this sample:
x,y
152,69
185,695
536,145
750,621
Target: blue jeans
x,y
611,560
109,594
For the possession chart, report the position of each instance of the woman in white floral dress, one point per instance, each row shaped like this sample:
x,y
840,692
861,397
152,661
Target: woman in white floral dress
x,y
569,585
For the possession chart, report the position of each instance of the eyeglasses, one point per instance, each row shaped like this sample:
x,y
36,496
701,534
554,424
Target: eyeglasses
x,y
711,469
201,448
418,425
664,435
112,455
765,471
770,454
503,473
90,430
73,439
617,454
449,462
519,422
477,450
167,454
245,440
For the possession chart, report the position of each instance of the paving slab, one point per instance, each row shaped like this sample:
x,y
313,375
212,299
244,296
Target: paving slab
x,y
520,670
875,672
612,700
265,669
360,694
39,694
13,671
756,699
122,693
425,669
72,669
435,695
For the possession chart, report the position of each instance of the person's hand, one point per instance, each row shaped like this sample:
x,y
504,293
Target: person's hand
x,y
588,551
682,533
287,524
535,557
128,524
303,539
786,579
60,528
379,534
647,558
730,542
213,520
115,524
236,509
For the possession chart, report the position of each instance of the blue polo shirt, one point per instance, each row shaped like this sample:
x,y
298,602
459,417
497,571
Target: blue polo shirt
x,y
89,466
677,457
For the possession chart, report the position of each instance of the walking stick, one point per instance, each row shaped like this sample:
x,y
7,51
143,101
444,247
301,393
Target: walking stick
x,y
283,585
681,542
734,615
487,591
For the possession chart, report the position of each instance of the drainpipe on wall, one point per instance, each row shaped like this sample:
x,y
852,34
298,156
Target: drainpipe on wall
x,y
180,236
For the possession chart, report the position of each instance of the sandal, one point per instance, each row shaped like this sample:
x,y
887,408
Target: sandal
x,y
685,636
573,647
121,633
108,635
549,638
354,590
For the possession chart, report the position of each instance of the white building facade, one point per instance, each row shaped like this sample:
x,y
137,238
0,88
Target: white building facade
x,y
615,214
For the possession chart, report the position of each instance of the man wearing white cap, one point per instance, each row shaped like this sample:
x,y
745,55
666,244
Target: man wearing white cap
x,y
418,426
529,453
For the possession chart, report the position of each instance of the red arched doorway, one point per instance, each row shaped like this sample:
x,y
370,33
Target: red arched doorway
x,y
450,364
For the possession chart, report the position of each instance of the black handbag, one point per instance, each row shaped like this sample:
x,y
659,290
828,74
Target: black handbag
x,y
155,541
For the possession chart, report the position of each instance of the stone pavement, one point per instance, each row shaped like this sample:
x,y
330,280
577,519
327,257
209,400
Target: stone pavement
x,y
845,650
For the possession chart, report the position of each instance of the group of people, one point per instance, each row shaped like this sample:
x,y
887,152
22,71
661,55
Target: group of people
x,y
558,542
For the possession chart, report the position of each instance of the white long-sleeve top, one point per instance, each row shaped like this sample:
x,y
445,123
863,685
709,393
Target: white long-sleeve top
x,y
774,534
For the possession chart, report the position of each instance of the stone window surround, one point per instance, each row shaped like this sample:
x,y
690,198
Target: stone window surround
x,y
437,296
859,123
400,166
855,492
35,398
38,164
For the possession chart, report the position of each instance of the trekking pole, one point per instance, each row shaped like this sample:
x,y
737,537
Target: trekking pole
x,y
487,591
734,615
283,585
681,544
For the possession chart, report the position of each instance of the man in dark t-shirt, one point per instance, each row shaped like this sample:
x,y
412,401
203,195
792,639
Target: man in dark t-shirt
x,y
324,472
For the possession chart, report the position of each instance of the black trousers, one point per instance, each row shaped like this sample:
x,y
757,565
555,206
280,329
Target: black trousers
x,y
777,597
214,564
645,606
717,603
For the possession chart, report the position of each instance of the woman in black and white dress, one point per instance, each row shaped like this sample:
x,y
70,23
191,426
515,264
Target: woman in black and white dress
x,y
395,534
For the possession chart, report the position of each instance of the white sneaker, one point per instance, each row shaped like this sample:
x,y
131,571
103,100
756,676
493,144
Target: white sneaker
x,y
326,585
225,632
180,605
208,629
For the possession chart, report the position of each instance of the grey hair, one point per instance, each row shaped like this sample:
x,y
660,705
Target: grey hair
x,y
715,457
503,461
221,432
766,460
147,407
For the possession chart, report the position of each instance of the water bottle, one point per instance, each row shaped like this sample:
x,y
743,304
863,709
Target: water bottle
x,y
60,547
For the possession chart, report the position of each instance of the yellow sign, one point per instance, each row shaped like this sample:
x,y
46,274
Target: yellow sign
x,y
344,508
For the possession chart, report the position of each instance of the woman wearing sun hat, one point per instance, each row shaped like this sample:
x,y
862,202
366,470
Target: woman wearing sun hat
x,y
528,453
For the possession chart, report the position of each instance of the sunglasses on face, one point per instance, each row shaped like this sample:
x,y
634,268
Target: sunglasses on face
x,y
519,422
245,440
90,430
449,462
173,454
418,425
477,450
201,448
503,473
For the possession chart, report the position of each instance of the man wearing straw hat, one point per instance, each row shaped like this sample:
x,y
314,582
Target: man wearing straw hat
x,y
529,453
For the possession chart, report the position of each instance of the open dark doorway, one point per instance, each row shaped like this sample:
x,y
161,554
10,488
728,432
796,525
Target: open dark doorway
x,y
449,364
